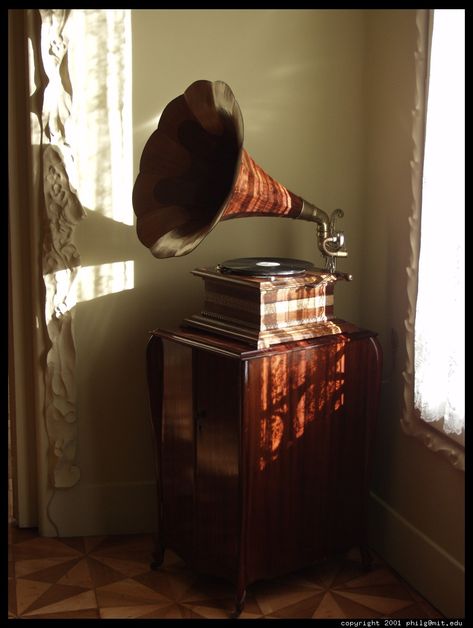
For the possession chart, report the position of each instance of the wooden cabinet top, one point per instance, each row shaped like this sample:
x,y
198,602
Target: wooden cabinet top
x,y
232,348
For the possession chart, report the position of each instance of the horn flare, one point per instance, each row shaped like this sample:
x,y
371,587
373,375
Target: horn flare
x,y
195,172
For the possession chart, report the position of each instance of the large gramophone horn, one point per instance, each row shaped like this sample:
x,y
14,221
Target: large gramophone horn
x,y
195,172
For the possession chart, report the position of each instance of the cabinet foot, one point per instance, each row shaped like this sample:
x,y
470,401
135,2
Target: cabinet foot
x,y
366,558
239,604
158,557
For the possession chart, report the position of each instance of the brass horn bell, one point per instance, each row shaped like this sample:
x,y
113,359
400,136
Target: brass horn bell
x,y
195,172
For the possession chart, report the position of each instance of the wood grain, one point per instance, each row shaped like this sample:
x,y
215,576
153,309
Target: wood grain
x,y
265,454
195,172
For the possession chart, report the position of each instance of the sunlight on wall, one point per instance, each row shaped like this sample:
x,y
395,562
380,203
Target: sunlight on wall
x,y
150,125
100,124
101,127
96,141
103,279
88,282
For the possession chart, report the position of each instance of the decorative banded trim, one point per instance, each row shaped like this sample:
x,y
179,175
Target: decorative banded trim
x,y
281,307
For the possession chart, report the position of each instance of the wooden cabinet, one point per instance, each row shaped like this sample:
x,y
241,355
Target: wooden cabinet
x,y
263,456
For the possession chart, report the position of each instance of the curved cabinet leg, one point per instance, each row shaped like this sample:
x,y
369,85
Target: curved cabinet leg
x,y
155,374
158,557
366,558
239,603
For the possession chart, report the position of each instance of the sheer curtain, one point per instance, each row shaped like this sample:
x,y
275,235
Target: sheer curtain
x,y
440,318
77,66
434,392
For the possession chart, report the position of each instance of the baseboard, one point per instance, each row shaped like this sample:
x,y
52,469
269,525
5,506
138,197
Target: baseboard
x,y
102,509
426,566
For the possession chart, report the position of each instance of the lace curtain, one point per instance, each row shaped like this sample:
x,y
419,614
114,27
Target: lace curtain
x,y
70,72
435,326
440,318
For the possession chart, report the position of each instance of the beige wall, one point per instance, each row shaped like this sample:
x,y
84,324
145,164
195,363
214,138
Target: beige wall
x,y
301,95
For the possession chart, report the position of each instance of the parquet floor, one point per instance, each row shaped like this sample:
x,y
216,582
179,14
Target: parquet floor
x,y
109,578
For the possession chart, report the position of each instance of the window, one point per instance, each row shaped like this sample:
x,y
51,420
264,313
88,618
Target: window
x,y
437,391
440,318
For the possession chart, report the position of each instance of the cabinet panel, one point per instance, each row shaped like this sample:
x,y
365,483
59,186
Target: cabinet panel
x,y
351,439
177,450
217,503
308,418
290,405
263,456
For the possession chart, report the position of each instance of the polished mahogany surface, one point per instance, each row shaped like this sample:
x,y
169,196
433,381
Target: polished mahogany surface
x,y
264,311
195,172
308,428
263,455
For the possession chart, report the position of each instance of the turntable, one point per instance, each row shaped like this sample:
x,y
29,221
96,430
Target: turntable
x,y
263,301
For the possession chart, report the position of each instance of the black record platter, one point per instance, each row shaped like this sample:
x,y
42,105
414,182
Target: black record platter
x,y
266,266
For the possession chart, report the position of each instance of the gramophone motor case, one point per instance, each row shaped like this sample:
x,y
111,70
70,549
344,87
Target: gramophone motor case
x,y
267,310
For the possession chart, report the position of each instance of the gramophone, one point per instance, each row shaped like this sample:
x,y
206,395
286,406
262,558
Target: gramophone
x,y
263,404
194,173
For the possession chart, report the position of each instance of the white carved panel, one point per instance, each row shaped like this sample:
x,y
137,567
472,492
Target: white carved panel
x,y
51,103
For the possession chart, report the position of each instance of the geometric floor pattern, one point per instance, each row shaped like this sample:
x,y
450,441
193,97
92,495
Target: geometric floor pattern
x,y
109,578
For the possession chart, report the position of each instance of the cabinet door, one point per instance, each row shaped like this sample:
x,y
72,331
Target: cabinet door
x,y
307,415
352,432
217,505
288,410
176,445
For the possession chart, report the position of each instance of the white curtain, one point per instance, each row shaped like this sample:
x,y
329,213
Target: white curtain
x,y
77,65
440,318
434,393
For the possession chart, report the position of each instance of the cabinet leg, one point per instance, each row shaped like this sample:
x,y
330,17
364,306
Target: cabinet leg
x,y
158,557
366,558
239,603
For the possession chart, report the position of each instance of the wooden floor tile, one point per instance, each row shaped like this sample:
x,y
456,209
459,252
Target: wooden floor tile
x,y
109,577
